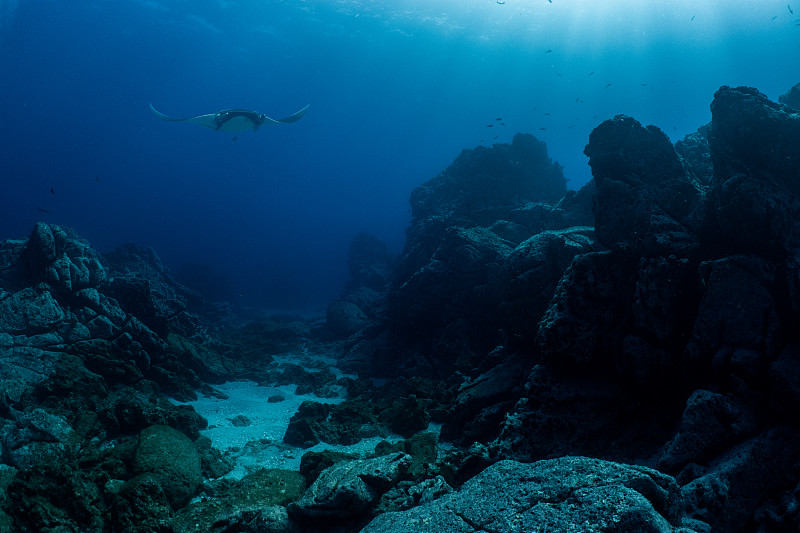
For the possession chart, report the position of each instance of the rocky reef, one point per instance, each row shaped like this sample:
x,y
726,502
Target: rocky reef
x,y
625,357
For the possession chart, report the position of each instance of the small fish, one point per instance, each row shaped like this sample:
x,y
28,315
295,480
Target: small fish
x,y
498,119
542,129
52,191
591,73
607,86
576,100
97,179
693,16
791,12
547,114
548,51
500,3
570,126
643,84
490,125
234,138
773,18
42,210
502,123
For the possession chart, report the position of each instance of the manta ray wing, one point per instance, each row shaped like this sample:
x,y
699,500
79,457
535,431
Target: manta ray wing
x,y
291,118
209,121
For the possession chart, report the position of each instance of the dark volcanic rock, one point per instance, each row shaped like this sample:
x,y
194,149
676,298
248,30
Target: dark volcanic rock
x,y
486,181
644,202
680,343
346,490
345,318
735,483
256,504
170,457
595,292
144,288
561,414
482,402
460,283
481,187
727,329
792,98
443,310
755,146
142,506
81,371
370,263
567,494
695,154
710,422
533,270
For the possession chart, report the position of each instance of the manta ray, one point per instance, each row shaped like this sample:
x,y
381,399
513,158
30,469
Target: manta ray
x,y
233,120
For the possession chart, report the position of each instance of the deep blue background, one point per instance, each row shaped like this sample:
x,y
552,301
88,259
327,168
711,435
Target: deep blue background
x,y
397,89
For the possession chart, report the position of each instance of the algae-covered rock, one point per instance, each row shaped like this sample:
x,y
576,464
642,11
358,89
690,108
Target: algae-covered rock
x,y
255,503
566,494
173,460
142,506
348,489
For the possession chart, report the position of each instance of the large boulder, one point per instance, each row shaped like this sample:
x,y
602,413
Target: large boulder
x,y
347,490
566,494
172,459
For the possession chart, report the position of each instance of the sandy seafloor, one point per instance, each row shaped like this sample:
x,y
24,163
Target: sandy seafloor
x,y
260,443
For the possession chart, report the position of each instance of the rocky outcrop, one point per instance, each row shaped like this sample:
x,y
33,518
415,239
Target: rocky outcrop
x,y
645,203
363,303
445,305
695,154
689,314
792,98
566,494
347,490
753,204
88,346
662,331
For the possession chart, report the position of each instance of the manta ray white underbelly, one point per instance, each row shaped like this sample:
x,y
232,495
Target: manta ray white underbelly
x,y
233,120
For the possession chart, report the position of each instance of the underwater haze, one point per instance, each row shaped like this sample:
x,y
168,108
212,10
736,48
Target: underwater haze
x,y
397,89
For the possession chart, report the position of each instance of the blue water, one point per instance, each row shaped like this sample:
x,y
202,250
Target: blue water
x,y
397,89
